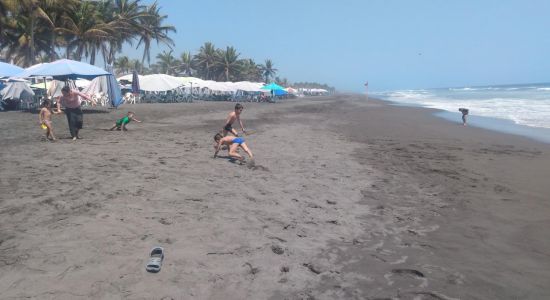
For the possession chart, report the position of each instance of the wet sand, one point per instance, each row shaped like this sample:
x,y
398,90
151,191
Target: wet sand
x,y
348,200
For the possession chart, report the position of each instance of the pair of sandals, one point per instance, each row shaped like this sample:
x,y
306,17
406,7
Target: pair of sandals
x,y
155,260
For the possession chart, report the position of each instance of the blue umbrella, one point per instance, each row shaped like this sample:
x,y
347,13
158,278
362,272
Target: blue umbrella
x,y
7,70
135,83
272,86
64,69
279,92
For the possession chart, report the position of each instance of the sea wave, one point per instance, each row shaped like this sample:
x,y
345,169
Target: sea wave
x,y
520,104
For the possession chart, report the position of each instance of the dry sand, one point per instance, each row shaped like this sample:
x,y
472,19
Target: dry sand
x,y
348,200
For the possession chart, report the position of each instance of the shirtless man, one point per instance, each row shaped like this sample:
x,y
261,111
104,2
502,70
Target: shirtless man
x,y
234,115
70,100
233,143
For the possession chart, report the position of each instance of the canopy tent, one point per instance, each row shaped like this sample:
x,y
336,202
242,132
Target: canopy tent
x,y
79,83
159,83
8,70
63,69
17,90
96,86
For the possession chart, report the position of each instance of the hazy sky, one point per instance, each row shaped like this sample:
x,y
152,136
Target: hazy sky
x,y
394,44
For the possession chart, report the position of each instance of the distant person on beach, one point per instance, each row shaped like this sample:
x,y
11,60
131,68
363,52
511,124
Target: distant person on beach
x,y
71,101
45,116
464,112
233,143
231,118
121,123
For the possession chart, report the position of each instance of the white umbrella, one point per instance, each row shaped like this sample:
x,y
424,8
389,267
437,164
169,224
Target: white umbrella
x,y
159,83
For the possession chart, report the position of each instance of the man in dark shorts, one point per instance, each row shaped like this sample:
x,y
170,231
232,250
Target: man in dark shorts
x,y
71,101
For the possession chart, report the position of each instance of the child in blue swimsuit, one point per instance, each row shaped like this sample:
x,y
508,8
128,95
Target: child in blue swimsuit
x,y
233,144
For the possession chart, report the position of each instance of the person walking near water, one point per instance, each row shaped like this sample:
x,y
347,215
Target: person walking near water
x,y
71,101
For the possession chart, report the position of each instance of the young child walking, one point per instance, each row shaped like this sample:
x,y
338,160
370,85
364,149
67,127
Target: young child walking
x,y
45,117
122,122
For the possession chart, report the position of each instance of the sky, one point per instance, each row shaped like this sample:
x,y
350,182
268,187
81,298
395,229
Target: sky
x,y
392,44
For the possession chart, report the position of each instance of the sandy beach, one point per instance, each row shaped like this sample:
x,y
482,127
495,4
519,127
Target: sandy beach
x,y
348,199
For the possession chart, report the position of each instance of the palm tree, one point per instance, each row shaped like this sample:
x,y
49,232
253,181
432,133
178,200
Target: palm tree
x,y
166,62
250,70
154,30
135,64
122,65
186,65
281,82
84,32
268,70
24,35
205,59
124,18
228,62
56,10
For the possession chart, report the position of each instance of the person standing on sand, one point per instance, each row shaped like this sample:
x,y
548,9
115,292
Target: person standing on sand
x,y
232,143
231,118
71,101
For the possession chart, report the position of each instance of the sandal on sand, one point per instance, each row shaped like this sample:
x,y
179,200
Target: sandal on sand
x,y
155,260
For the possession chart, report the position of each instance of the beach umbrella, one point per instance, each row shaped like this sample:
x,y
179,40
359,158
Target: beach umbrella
x,y
7,70
272,86
63,69
159,83
135,83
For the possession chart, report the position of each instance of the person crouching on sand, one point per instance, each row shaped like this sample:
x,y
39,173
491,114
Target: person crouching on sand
x,y
464,112
121,123
45,119
233,143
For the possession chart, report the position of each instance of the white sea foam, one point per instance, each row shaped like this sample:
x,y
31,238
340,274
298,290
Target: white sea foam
x,y
525,105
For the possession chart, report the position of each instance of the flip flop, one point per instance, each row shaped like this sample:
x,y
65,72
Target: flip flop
x,y
155,260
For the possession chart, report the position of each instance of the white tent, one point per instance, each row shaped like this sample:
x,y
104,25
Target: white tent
x,y
159,83
17,90
97,85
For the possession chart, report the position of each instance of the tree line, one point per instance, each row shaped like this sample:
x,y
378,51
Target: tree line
x,y
34,31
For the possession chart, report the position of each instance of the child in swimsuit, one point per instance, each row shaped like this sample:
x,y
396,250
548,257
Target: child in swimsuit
x,y
45,119
231,118
121,123
233,143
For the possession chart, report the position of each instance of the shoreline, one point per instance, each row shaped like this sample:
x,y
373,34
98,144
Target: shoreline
x,y
539,134
347,200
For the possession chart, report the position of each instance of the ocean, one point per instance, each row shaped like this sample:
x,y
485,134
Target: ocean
x,y
525,105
